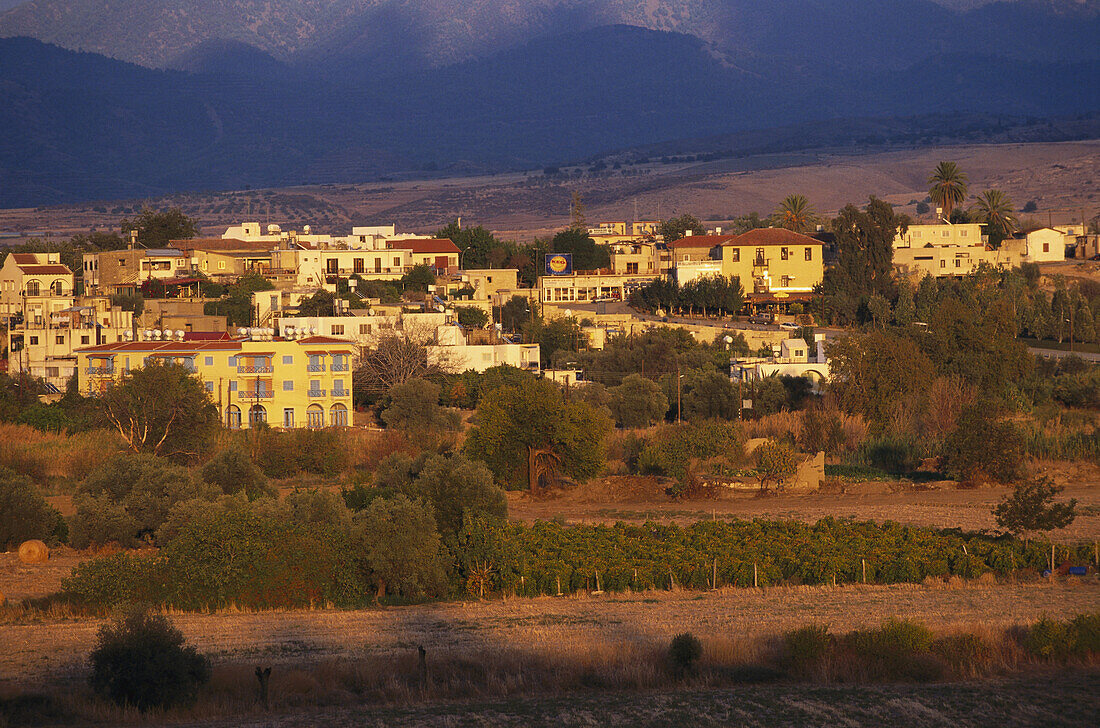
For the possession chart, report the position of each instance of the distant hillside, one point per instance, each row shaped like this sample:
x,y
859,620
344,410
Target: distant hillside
x,y
435,33
81,126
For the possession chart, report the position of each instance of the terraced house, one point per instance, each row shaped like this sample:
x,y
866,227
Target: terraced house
x,y
285,383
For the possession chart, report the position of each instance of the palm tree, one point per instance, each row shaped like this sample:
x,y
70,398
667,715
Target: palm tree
x,y
948,186
795,213
994,209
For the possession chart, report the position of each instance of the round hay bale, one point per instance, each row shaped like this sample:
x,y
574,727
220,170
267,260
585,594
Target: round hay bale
x,y
34,552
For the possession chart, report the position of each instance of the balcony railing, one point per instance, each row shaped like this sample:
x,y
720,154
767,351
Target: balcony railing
x,y
256,394
316,392
341,393
315,368
339,367
262,369
101,371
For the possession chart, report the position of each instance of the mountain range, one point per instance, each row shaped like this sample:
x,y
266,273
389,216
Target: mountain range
x,y
103,98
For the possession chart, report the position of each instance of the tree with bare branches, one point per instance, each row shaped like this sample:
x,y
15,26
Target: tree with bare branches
x,y
396,357
162,409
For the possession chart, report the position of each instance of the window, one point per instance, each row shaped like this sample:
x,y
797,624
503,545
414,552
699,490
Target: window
x,y
221,265
233,417
784,253
785,281
256,415
60,338
397,262
288,359
209,361
962,233
32,288
53,371
631,268
357,265
760,256
233,385
315,416
943,264
337,329
1046,247
736,255
85,340
288,385
958,263
209,386
947,233
232,361
809,253
57,288
364,328
288,417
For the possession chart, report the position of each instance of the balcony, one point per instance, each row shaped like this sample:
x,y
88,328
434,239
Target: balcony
x,y
341,393
247,394
101,371
314,393
262,369
315,368
338,367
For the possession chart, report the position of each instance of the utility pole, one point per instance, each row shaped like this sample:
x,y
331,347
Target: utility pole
x,y
679,391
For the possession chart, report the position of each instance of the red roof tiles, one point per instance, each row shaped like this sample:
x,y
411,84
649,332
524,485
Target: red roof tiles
x,y
424,245
771,236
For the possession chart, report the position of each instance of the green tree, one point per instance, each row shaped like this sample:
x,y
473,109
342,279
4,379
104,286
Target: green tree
x,y
676,227
905,311
233,471
480,248
418,278
514,314
993,208
471,317
414,406
949,186
1031,508
872,373
400,547
982,446
456,487
560,334
528,430
156,228
769,397
864,267
587,253
879,309
709,395
129,497
162,409
775,462
321,303
795,213
638,402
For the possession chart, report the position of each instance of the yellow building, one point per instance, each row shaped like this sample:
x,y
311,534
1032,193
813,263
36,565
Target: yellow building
x,y
34,286
285,383
962,235
774,264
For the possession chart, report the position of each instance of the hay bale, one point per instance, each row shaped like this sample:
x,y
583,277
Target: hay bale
x,y
34,552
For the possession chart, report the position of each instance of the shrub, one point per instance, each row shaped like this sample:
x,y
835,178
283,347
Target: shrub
x,y
454,487
414,406
121,578
638,402
684,652
967,450
1085,629
283,453
1049,638
232,471
775,462
24,513
129,498
141,661
1031,507
963,652
898,650
671,449
804,649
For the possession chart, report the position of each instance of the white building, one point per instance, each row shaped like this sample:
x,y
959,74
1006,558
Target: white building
x,y
791,358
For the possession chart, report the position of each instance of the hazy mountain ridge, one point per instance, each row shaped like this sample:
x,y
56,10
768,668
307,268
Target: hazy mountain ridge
x,y
81,126
394,33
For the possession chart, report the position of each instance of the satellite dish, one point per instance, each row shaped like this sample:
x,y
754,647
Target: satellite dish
x,y
179,334
242,331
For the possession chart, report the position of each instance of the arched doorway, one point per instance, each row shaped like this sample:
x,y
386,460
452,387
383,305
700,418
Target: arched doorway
x,y
315,416
257,415
233,417
338,415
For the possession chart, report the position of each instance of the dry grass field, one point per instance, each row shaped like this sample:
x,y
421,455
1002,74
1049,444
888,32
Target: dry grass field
x,y
1058,176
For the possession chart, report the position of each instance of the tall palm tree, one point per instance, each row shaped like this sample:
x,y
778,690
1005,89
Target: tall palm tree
x,y
994,209
795,213
948,186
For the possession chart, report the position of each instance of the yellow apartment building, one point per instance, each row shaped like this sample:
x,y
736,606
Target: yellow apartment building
x,y
33,286
284,383
774,263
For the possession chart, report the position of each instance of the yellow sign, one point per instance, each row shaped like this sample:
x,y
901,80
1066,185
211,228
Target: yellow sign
x,y
559,264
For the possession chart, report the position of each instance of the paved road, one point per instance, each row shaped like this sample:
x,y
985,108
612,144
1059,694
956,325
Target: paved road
x,y
1059,353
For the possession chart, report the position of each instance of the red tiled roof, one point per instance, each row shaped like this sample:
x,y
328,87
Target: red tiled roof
x,y
700,241
424,245
207,336
46,270
772,236
316,340
24,258
164,347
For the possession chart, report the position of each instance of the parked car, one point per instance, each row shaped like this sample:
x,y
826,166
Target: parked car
x,y
761,318
788,326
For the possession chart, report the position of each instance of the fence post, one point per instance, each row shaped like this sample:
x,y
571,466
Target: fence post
x,y
559,585
755,577
714,581
864,570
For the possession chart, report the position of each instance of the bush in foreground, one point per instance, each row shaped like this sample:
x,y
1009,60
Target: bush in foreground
x,y
141,661
24,513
